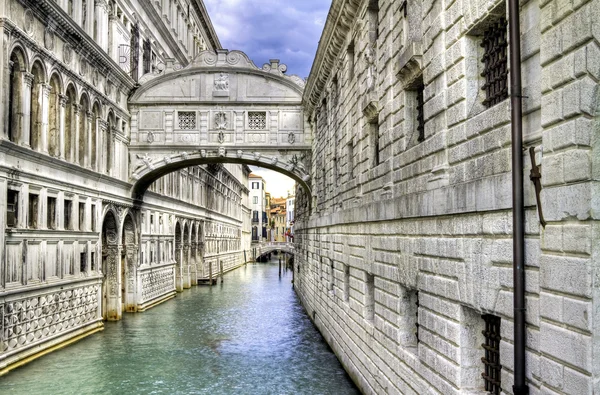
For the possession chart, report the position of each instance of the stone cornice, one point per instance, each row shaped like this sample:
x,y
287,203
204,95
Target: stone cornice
x,y
53,15
339,22
158,23
206,22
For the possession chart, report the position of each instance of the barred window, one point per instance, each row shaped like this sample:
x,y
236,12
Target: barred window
x,y
257,120
187,120
491,361
419,107
495,62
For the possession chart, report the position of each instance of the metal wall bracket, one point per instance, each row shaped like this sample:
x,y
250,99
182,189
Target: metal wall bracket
x,y
535,176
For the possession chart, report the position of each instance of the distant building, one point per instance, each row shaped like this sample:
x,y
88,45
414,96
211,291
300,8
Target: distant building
x,y
278,219
258,205
289,223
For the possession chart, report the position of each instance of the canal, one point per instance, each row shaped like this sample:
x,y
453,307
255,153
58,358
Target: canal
x,y
248,335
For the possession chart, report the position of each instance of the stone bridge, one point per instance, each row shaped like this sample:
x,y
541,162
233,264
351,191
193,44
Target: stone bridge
x,y
265,248
220,108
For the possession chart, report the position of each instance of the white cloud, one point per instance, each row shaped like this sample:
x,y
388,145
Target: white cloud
x,y
288,30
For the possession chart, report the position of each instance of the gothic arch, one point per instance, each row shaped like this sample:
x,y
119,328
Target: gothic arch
x,y
96,119
38,90
55,104
84,115
18,66
107,141
71,113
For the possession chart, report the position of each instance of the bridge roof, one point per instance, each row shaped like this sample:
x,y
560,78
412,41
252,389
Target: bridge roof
x,y
220,76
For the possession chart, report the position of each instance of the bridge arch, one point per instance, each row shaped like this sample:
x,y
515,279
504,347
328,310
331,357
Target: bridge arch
x,y
221,108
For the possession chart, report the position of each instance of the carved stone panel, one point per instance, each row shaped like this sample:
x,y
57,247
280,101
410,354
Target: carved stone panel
x,y
291,121
151,120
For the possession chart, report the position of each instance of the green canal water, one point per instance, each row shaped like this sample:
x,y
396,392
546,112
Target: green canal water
x,y
248,335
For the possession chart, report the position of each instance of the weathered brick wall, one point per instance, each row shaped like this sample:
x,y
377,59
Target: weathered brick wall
x,y
419,240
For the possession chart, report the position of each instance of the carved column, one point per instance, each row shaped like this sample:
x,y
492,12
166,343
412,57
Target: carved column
x,y
61,125
187,283
112,28
26,109
101,8
131,258
111,306
75,147
194,263
45,93
179,268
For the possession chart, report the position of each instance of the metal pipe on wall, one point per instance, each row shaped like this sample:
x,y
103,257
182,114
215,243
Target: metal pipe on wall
x,y
520,387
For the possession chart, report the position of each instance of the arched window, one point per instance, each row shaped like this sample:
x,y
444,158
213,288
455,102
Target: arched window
x,y
108,148
70,118
83,129
37,99
15,95
94,142
54,116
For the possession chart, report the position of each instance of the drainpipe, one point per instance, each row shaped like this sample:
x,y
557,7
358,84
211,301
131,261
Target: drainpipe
x,y
520,387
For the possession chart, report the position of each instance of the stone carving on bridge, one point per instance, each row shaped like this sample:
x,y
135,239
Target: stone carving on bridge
x,y
144,160
291,138
221,85
221,120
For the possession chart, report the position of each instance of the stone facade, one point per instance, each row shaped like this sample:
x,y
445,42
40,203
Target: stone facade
x,y
404,249
78,246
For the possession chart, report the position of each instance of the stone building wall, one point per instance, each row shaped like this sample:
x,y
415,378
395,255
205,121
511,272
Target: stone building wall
x,y
76,247
406,243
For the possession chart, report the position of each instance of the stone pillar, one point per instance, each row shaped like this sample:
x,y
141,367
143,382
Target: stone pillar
x,y
61,126
179,268
194,264
101,11
131,258
45,93
111,285
187,282
26,109
75,144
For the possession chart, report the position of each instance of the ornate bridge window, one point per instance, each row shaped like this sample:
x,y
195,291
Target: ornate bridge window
x,y
187,120
257,120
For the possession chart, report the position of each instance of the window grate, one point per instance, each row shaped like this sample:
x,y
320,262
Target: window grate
x,y
135,51
491,361
417,316
257,120
495,62
420,114
187,120
147,55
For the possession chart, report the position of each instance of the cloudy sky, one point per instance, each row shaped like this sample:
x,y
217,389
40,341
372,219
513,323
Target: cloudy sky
x,y
277,184
288,30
